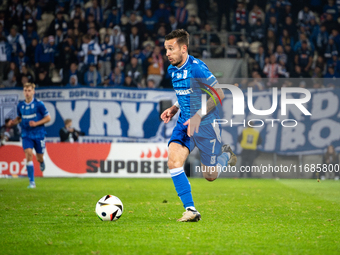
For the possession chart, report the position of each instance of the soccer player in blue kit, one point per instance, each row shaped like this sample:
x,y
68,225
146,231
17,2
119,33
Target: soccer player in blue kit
x,y
189,76
32,115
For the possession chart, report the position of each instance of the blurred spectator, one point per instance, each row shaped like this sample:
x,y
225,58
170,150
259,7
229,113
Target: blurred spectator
x,y
28,73
135,71
58,23
21,60
116,77
257,83
118,61
331,73
150,84
330,49
258,31
192,26
9,132
105,58
134,40
329,158
273,25
330,23
305,15
335,62
240,13
73,81
290,26
162,13
33,9
303,38
96,11
117,39
271,42
90,50
43,79
67,54
160,37
78,26
150,21
286,39
31,51
68,133
181,14
260,57
322,40
78,13
232,50
298,73
155,69
92,77
44,54
280,55
11,76
332,9
14,13
256,14
67,73
304,57
29,34
173,23
272,70
128,82
272,12
114,18
336,38
16,40
5,56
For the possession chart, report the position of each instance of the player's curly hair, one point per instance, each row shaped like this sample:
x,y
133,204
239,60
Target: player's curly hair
x,y
181,35
29,84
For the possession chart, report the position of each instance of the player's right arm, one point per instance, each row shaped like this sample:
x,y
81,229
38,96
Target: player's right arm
x,y
15,121
18,119
167,115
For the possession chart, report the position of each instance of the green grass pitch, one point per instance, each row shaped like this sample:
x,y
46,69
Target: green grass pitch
x,y
239,216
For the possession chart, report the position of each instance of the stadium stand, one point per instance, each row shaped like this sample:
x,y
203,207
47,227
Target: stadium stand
x,y
41,39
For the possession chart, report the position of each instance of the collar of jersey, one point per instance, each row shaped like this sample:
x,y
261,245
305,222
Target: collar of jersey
x,y
29,102
183,64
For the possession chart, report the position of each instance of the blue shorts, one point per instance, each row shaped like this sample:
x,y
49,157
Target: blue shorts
x,y
37,144
207,140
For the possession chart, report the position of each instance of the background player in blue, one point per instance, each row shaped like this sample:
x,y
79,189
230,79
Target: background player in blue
x,y
32,115
189,76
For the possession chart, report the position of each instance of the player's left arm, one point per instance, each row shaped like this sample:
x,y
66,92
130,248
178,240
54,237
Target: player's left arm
x,y
45,113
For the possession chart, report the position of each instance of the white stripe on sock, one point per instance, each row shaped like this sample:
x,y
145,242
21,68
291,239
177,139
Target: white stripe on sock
x,y
176,171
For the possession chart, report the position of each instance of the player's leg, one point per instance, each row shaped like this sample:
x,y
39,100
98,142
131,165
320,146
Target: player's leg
x,y
177,156
214,155
27,145
39,146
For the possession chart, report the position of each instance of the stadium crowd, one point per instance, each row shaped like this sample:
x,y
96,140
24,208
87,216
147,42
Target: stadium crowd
x,y
121,43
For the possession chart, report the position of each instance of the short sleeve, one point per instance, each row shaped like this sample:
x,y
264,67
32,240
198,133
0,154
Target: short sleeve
x,y
42,109
203,75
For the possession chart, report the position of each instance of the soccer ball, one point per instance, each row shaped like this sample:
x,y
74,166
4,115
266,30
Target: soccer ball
x,y
109,208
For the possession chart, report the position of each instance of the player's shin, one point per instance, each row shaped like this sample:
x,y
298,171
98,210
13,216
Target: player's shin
x,y
222,161
30,171
183,187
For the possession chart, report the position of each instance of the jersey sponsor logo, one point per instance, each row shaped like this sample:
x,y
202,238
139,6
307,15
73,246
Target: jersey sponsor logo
x,y
30,116
184,92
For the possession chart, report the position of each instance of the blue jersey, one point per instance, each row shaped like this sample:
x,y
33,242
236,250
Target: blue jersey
x,y
35,111
189,80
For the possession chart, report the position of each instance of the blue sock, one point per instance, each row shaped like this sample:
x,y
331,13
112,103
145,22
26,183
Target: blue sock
x,y
30,171
182,186
222,161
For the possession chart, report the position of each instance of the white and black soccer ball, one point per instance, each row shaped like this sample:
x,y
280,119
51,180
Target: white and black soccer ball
x,y
109,208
